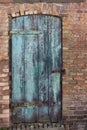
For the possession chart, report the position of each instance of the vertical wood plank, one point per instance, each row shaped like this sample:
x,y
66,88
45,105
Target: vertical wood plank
x,y
54,78
17,68
31,69
43,69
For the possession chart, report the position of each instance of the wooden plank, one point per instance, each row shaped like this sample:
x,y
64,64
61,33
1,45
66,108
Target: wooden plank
x,y
43,69
54,63
17,69
31,69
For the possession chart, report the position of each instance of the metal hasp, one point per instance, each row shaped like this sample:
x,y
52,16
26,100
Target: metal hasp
x,y
26,32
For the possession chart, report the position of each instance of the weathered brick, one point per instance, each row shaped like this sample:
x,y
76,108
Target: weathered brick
x,y
5,115
5,97
6,70
5,88
4,83
74,43
22,9
13,12
3,75
5,111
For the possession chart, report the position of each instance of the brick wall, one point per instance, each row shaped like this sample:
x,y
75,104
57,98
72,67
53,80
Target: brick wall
x,y
74,40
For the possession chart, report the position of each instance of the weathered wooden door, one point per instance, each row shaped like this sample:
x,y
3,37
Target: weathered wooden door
x,y
36,60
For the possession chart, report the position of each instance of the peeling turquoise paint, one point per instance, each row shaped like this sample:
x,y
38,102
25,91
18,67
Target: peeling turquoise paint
x,y
34,57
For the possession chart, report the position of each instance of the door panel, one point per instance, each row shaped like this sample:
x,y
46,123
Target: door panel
x,y
36,88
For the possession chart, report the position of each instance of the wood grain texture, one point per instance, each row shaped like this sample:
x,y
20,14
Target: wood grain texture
x,y
18,70
31,69
43,69
54,62
34,57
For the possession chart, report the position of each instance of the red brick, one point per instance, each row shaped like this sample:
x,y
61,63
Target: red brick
x,y
74,41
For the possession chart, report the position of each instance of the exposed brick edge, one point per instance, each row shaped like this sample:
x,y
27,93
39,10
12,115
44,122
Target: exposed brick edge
x,y
36,8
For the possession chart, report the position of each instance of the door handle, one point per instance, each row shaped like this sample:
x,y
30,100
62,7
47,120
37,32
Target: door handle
x,y
57,70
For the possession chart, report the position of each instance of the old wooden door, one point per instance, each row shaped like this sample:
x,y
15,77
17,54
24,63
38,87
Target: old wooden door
x,y
36,60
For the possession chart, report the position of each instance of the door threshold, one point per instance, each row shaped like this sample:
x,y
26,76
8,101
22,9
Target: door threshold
x,y
36,127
